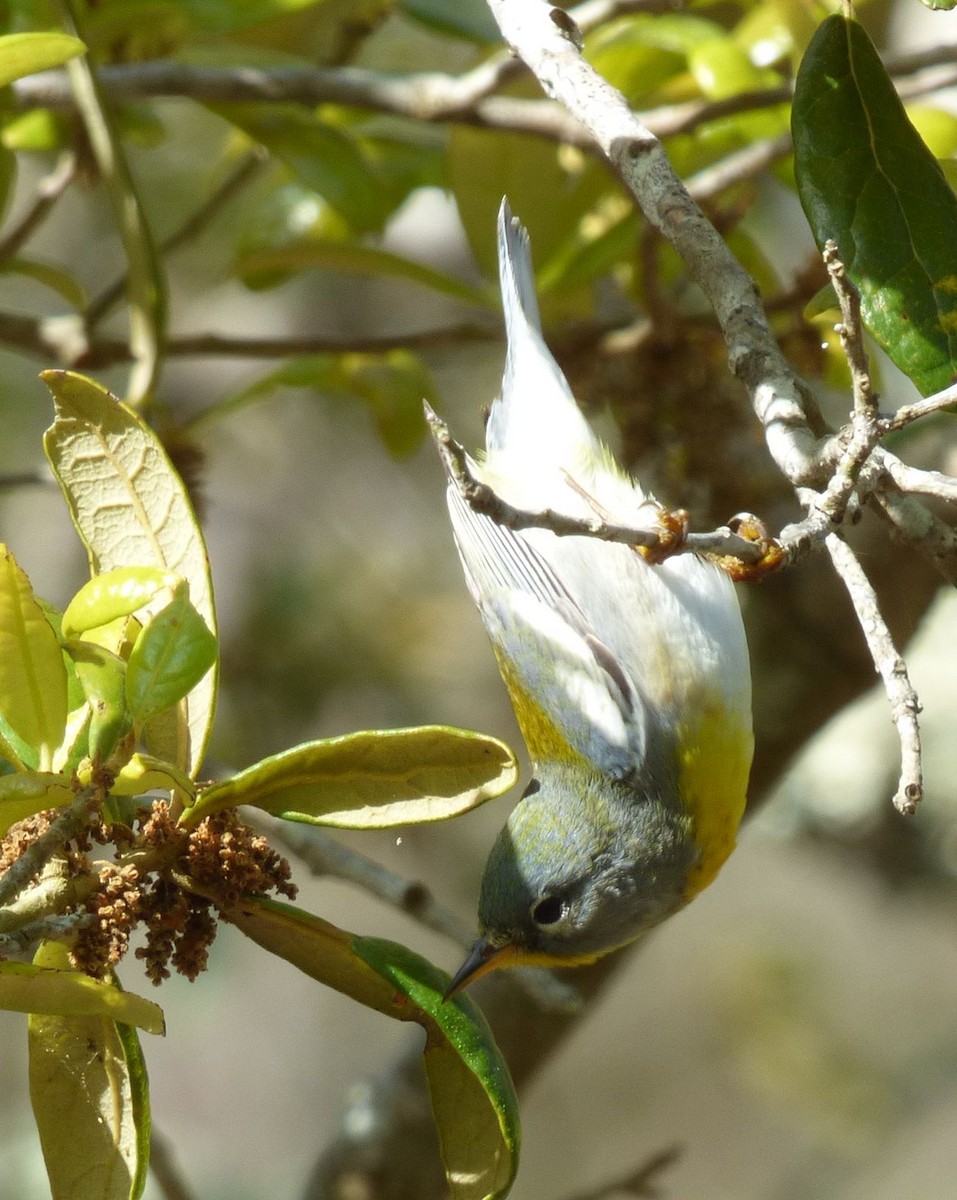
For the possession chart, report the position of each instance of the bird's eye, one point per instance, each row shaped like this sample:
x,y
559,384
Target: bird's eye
x,y
547,910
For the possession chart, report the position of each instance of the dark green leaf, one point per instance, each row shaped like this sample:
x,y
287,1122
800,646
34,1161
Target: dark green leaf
x,y
867,181
173,652
472,1094
327,160
371,780
467,19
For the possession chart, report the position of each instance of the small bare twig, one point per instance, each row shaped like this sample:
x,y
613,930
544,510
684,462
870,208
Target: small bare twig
x,y
661,542
20,943
164,1169
67,825
908,413
46,194
640,1183
893,671
323,855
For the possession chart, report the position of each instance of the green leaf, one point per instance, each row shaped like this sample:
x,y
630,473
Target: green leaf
x,y
51,987
466,19
116,593
131,509
88,1088
324,158
393,385
473,1100
549,188
55,278
472,1094
867,180
25,53
32,674
102,676
372,780
173,652
27,792
264,268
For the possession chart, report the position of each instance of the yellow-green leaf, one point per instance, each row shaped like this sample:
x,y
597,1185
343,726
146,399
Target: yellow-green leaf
x,y
113,594
29,792
25,53
371,780
33,683
88,1088
131,509
55,989
472,1094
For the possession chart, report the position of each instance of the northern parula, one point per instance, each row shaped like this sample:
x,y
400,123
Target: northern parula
x,y
630,680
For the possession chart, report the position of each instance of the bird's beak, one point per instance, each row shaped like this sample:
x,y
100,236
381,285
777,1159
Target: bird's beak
x,y
482,958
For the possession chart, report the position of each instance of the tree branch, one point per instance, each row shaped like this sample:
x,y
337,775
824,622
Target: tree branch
x,y
892,669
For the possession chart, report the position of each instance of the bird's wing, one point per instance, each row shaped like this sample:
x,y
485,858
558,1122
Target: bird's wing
x,y
568,688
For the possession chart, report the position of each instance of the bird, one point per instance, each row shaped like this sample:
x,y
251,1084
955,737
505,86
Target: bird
x,y
630,678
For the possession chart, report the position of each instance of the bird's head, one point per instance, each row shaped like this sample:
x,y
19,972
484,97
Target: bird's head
x,y
584,865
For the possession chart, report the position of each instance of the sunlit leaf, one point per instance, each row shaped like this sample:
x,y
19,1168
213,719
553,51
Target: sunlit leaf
x,y
50,986
27,792
372,780
89,1093
24,53
112,594
868,181
131,509
32,674
472,1095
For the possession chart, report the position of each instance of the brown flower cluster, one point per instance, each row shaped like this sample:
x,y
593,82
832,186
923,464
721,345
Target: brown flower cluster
x,y
115,909
222,856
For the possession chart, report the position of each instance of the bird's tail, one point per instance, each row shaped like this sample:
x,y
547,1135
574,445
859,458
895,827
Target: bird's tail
x,y
535,426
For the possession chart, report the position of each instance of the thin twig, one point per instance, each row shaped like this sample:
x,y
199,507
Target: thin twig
x,y
918,482
147,283
909,413
323,855
191,228
659,541
641,1182
45,195
165,1170
893,671
67,825
48,337
20,943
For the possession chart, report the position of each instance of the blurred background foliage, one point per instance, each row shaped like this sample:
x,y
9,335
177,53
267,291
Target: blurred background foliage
x,y
318,211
